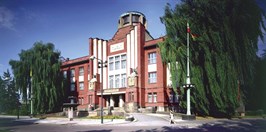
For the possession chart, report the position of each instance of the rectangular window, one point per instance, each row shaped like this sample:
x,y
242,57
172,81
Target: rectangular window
x,y
152,58
131,96
111,81
152,77
81,71
81,86
117,81
81,101
72,73
155,97
111,63
123,80
72,87
117,62
65,74
135,18
126,19
123,61
90,99
150,97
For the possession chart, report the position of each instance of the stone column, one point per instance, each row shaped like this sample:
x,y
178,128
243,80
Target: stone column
x,y
121,101
112,103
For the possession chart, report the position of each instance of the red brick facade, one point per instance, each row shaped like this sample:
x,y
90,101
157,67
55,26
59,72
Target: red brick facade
x,y
145,85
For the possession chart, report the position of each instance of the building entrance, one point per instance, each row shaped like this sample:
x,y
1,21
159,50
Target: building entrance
x,y
116,100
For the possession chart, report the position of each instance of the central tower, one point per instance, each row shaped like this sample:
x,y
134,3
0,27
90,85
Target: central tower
x,y
131,18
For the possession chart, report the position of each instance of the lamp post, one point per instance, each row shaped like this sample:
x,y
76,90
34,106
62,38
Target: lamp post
x,y
100,65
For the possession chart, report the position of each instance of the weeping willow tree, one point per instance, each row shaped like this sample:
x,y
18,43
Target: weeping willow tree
x,y
224,37
39,70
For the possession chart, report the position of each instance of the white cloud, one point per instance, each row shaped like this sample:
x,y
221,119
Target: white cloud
x,y
6,18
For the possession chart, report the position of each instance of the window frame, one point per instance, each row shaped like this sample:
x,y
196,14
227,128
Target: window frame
x,y
81,72
152,56
152,79
81,88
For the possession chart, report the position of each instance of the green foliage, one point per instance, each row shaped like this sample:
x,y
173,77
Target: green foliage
x,y
46,82
8,93
223,54
257,96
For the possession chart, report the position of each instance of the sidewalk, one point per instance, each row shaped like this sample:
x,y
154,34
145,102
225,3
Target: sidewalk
x,y
65,121
167,117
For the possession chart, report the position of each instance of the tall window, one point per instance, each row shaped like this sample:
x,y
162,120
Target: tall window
x,y
90,99
117,62
152,58
72,87
117,80
111,81
123,80
123,61
131,96
150,97
155,97
81,71
152,77
111,63
81,86
117,71
81,101
72,73
65,74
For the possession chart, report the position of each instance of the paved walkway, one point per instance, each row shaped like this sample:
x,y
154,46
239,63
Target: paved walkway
x,y
63,121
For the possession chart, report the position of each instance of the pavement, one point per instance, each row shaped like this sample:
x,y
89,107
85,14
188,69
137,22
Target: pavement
x,y
142,122
75,121
140,119
79,121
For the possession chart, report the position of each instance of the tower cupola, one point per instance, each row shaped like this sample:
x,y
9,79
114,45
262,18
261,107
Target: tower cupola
x,y
131,18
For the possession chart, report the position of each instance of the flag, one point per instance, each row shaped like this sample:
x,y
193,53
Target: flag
x,y
194,36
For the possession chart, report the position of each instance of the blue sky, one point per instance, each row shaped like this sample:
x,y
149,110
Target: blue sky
x,y
69,23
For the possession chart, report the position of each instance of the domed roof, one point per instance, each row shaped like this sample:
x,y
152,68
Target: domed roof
x,y
132,12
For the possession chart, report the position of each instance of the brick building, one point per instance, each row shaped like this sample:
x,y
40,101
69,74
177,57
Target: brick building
x,y
135,76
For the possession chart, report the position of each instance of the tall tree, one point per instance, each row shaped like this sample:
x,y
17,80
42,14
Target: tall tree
x,y
39,70
222,54
8,93
257,96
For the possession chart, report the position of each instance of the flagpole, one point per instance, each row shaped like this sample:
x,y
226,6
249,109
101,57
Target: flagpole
x,y
188,74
